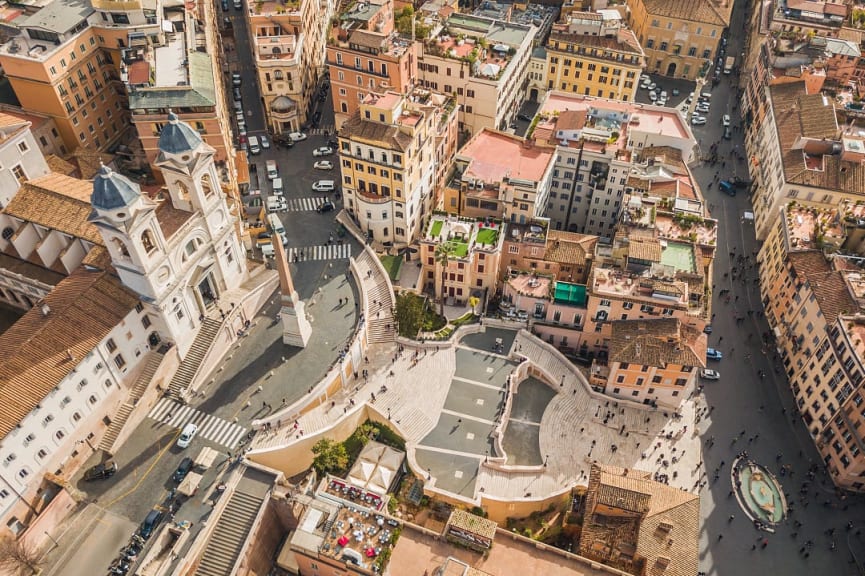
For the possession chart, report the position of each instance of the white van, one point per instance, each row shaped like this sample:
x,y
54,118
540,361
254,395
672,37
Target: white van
x,y
276,204
272,170
277,187
324,186
186,436
267,250
276,226
254,145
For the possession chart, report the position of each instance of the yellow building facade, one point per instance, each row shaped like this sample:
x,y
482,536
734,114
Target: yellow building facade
x,y
680,39
594,58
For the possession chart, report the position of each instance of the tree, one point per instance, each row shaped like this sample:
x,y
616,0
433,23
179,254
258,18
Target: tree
x,y
409,313
19,558
443,257
330,456
473,302
403,22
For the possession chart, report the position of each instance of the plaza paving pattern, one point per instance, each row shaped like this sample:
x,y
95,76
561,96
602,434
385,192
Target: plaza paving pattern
x,y
445,402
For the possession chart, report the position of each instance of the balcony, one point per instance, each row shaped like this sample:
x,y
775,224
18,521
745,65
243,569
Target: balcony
x,y
276,47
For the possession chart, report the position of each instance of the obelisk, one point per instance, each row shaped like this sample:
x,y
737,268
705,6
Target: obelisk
x,y
295,327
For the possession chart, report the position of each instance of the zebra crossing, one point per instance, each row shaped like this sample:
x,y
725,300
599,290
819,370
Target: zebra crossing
x,y
321,252
321,130
210,427
303,204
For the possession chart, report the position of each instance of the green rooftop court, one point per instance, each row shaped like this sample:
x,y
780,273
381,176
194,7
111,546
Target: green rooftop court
x,y
487,236
571,294
436,228
680,256
459,248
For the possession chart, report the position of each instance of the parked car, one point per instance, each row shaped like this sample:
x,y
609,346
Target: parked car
x,y
707,374
296,136
183,469
333,143
323,165
236,80
698,120
265,143
101,471
237,96
713,354
326,206
322,151
148,527
225,5
652,96
707,329
524,117
727,133
725,120
652,86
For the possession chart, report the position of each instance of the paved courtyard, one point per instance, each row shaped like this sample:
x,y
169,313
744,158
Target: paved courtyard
x,y
448,401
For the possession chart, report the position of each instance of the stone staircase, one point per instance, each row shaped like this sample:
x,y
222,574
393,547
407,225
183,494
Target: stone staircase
x,y
379,305
189,367
122,415
232,529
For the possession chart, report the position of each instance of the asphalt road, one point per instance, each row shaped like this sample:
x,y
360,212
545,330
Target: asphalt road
x,y
742,401
147,461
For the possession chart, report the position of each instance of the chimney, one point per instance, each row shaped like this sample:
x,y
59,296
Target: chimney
x,y
70,355
46,309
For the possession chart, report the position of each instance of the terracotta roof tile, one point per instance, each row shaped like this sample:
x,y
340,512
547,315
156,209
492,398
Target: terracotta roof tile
x,y
668,533
707,11
570,247
84,308
657,342
645,249
827,283
387,135
58,202
60,166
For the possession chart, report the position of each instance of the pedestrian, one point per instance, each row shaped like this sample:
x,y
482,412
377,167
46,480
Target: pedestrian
x,y
730,519
720,536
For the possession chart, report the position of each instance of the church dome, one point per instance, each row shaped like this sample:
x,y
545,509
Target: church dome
x,y
282,104
178,137
112,190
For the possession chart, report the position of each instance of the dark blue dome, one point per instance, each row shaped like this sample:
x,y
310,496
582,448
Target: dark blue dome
x,y
178,137
112,190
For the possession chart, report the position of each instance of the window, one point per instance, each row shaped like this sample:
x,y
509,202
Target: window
x,y
93,399
60,434
42,453
120,362
145,321
147,241
22,146
18,172
111,345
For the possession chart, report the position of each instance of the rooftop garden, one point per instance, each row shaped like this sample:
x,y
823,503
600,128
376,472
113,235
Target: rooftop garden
x,y
487,236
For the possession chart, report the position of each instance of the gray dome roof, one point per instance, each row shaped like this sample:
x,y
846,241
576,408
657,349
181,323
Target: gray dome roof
x,y
112,190
282,104
178,137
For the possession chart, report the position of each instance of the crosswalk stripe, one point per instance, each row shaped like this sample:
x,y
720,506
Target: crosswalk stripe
x,y
319,252
303,204
210,427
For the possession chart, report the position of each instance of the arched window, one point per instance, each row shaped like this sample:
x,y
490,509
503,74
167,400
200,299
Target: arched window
x,y
182,190
121,247
92,400
206,185
147,241
76,417
42,453
24,473
60,434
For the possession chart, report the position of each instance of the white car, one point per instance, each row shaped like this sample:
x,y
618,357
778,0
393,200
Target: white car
x,y
661,102
726,120
702,109
652,86
652,96
323,151
707,374
296,136
323,165
663,95
265,143
698,120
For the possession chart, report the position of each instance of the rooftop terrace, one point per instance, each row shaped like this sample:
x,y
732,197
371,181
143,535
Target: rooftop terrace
x,y
812,228
348,534
619,283
531,285
464,235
